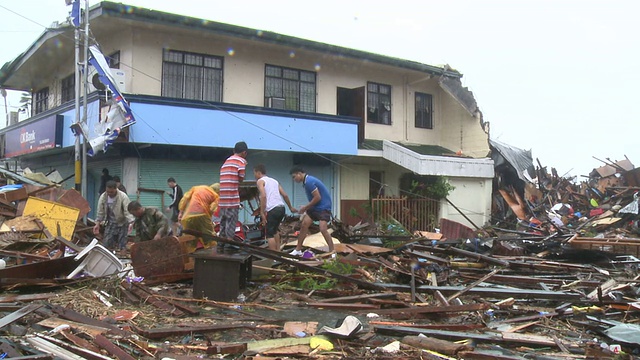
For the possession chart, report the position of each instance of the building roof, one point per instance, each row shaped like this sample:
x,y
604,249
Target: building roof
x,y
143,15
371,144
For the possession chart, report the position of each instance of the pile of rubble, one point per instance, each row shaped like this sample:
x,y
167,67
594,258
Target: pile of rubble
x,y
553,276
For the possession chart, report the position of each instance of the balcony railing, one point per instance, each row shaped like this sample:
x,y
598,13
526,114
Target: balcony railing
x,y
413,214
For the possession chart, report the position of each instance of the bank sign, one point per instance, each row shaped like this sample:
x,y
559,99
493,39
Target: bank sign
x,y
36,136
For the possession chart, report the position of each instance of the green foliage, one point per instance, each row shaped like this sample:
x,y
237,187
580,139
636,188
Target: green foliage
x,y
436,188
337,267
316,283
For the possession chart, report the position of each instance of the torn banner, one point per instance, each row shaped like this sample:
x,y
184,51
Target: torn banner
x,y
106,131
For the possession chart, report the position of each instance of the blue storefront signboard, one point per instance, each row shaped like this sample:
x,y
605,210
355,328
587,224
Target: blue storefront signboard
x,y
36,136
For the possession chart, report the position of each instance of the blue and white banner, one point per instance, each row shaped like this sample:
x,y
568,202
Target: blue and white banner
x,y
119,116
75,13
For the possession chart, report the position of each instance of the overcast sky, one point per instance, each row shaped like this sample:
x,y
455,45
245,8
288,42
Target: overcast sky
x,y
557,77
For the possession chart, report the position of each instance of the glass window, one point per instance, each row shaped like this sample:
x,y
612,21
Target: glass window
x,y
290,89
41,102
424,111
68,90
114,60
192,76
378,103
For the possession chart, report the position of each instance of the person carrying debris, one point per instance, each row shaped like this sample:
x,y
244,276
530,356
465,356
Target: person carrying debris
x,y
114,217
150,223
272,200
196,209
318,208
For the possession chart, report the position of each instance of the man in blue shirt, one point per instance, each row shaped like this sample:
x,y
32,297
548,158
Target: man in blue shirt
x,y
318,208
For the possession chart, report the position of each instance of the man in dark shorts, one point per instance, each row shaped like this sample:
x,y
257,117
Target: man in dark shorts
x,y
176,195
318,208
272,200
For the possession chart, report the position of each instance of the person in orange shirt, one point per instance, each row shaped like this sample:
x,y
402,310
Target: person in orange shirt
x,y
196,209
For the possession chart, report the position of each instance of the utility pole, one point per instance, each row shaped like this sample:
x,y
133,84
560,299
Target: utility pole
x,y
6,108
78,164
86,93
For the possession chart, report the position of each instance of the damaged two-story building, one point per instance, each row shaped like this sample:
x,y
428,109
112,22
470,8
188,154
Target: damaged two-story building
x,y
364,123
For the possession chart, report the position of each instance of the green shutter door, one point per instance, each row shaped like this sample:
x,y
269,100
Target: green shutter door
x,y
154,175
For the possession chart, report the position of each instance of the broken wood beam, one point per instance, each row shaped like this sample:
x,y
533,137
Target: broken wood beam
x,y
474,284
434,309
327,305
438,345
146,297
360,297
69,314
494,292
172,331
16,315
112,348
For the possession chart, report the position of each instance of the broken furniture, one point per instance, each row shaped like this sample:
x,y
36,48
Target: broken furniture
x,y
165,259
220,276
98,261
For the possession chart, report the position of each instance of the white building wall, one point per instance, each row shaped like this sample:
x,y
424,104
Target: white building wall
x,y
472,197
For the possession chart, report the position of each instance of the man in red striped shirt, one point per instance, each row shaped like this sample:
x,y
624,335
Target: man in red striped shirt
x,y
231,174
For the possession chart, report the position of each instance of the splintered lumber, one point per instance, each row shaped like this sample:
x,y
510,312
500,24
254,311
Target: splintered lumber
x,y
485,258
497,337
494,292
69,314
166,332
327,305
454,327
141,292
359,297
263,345
434,309
83,353
29,297
216,348
438,345
92,330
474,284
16,315
112,349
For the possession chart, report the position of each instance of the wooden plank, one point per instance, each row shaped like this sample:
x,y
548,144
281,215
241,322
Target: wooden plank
x,y
359,297
173,331
92,330
474,284
438,345
492,292
326,305
112,349
75,316
29,297
16,315
434,309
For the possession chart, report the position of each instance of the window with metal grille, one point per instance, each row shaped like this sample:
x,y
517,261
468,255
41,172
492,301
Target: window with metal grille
x,y
192,76
41,101
68,88
424,111
378,103
114,60
296,87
